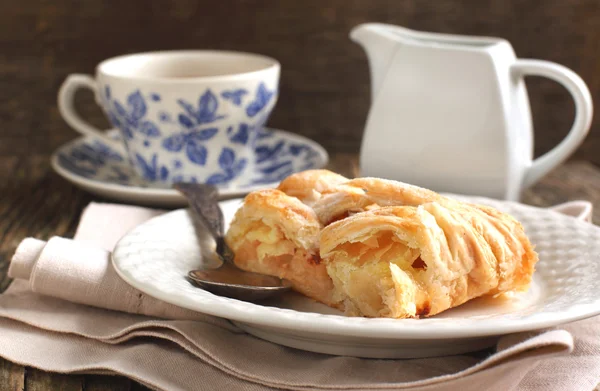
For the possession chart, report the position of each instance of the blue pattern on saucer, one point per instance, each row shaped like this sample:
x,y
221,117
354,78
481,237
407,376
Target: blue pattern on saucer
x,y
276,155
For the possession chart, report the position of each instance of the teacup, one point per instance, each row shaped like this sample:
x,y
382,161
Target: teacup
x,y
184,116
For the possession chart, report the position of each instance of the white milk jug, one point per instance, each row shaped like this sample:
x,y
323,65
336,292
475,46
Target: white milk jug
x,y
451,112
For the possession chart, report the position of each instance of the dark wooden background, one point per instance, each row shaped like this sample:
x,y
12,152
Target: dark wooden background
x,y
325,80
324,90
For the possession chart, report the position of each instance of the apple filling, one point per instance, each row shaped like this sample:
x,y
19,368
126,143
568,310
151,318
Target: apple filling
x,y
378,277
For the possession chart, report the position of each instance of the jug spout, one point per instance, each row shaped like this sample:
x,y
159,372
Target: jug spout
x,y
380,47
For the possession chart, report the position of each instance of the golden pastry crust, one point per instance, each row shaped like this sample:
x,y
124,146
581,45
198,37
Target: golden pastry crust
x,y
435,257
362,194
275,234
309,186
380,248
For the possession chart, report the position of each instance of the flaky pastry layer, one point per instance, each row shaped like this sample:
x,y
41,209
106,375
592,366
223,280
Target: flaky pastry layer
x,y
379,248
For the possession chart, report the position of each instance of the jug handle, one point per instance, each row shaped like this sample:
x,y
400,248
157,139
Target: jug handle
x,y
583,114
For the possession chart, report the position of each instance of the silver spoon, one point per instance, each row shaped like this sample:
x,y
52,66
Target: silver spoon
x,y
227,280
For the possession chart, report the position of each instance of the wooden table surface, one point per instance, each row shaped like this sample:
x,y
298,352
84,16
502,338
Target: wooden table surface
x,y
36,202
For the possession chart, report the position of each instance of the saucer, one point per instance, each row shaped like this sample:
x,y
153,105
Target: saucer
x,y
101,170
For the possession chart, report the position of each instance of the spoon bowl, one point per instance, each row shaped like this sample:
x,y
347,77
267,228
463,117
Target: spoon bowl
x,y
232,282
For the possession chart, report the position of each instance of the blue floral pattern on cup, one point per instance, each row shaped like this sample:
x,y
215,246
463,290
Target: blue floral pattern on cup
x,y
275,157
131,117
152,171
185,135
262,99
192,142
204,113
235,96
230,166
241,136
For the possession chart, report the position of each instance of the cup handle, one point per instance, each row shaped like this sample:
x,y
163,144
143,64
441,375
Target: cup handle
x,y
583,114
66,107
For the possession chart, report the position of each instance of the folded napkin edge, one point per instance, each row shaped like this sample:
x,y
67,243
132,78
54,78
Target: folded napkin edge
x,y
25,257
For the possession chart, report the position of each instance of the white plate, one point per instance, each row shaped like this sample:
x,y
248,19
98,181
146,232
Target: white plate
x,y
95,167
156,256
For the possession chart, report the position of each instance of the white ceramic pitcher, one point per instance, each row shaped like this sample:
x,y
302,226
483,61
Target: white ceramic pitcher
x,y
451,112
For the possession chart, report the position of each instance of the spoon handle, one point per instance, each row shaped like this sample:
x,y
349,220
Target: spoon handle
x,y
224,251
204,200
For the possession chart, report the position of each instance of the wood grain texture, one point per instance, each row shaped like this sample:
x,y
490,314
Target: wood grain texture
x,y
36,380
325,77
572,181
12,376
34,202
107,383
138,387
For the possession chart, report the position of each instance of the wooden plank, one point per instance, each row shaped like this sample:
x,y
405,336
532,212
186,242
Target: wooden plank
x,y
139,387
12,376
36,380
345,164
34,201
576,180
106,383
325,86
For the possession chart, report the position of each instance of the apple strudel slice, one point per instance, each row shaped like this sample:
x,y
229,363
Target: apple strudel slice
x,y
379,248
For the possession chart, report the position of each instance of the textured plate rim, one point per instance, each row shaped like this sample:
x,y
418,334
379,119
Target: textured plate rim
x,y
125,190
288,319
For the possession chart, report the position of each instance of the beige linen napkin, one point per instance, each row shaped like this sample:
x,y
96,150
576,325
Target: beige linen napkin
x,y
64,313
